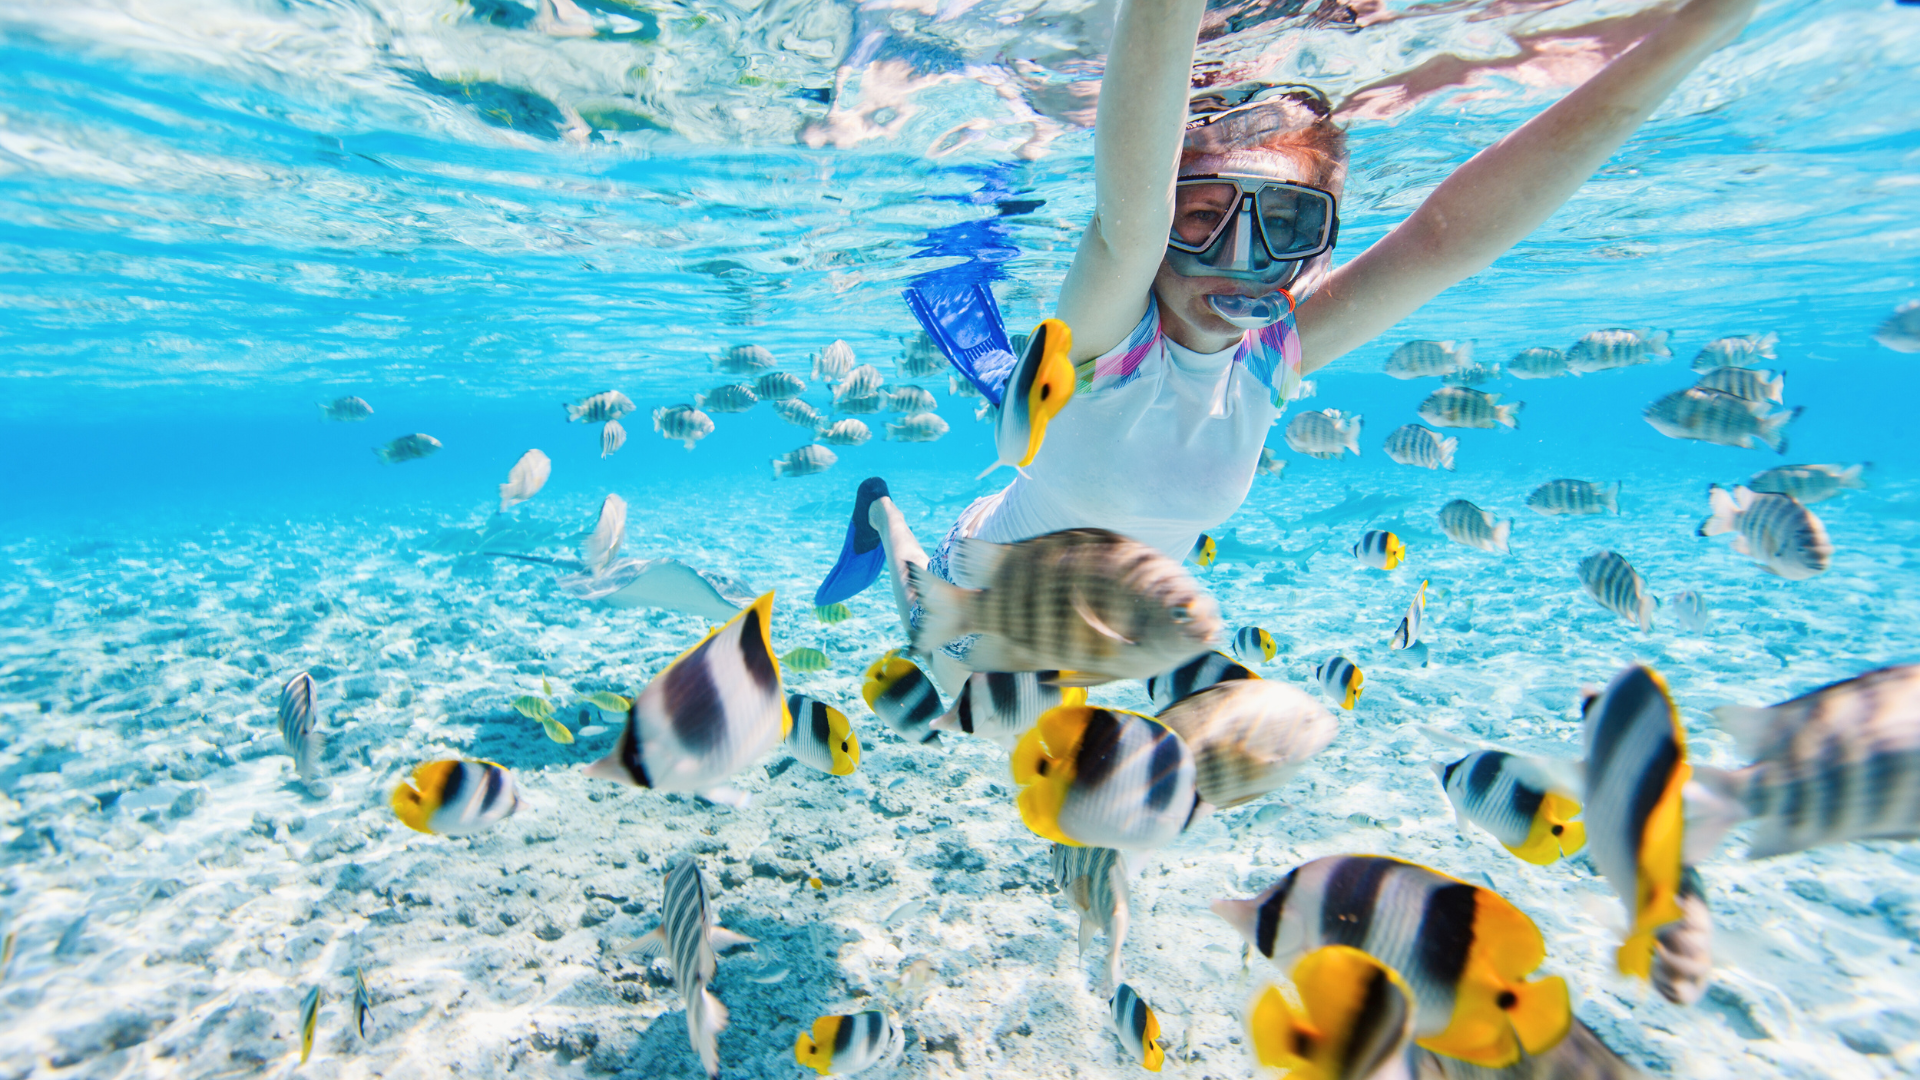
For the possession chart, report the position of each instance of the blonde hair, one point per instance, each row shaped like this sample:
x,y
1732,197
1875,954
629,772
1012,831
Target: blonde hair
x,y
1296,127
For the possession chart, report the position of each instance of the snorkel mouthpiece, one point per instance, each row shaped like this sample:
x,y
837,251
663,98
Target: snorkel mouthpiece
x,y
1253,312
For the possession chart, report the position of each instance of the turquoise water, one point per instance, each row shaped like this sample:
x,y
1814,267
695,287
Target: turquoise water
x,y
218,214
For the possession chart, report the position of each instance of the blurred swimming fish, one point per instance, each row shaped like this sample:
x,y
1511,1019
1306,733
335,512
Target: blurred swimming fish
x,y
833,613
1325,434
457,797
1829,766
1465,407
1901,330
1254,645
1463,951
688,937
1690,608
1341,680
902,696
309,1020
525,479
806,659
346,408
709,714
609,532
862,405
911,400
1636,754
1603,350
744,360
861,382
1411,444
1711,416
1004,705
920,358
1784,537
823,738
1248,737
1574,497
779,386
1094,881
1379,549
1745,383
848,432
1104,778
1467,524
1138,1028
807,460
298,729
1086,601
1471,375
962,388
407,448
612,437
1205,551
1418,359
362,1004
795,411
1270,464
924,427
1522,801
731,398
599,408
1207,669
1613,582
1037,388
682,422
1538,363
1809,484
1407,634
1735,352
833,362
1355,1021
1683,950
845,1045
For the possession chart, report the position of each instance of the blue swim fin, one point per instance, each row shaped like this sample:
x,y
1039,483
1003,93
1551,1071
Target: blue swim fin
x,y
965,322
861,557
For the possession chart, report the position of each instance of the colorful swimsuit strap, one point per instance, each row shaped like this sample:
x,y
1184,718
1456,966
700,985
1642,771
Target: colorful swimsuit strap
x,y
1271,355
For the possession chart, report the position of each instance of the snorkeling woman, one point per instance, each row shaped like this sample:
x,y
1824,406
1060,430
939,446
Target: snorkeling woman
x,y
1203,289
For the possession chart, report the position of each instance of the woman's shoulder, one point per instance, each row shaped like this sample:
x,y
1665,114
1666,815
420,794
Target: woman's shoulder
x,y
1127,361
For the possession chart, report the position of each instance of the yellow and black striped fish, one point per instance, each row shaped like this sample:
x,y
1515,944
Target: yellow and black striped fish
x,y
1341,680
1518,800
1463,951
1254,645
1104,778
454,798
1039,386
845,1045
1205,551
902,696
1004,705
1355,1020
823,737
1379,549
1138,1028
1207,669
1094,881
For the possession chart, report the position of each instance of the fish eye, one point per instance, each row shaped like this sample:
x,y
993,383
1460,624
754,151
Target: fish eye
x,y
1182,613
1046,391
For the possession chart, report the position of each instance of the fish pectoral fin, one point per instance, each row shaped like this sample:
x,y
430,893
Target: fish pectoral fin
x,y
653,943
1085,611
722,939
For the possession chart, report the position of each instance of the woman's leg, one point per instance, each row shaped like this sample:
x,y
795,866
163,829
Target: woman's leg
x,y
903,550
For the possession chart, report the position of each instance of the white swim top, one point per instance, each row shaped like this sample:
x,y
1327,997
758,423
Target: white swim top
x,y
1159,443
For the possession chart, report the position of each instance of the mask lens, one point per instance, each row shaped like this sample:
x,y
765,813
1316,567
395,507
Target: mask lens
x,y
1200,210
1294,219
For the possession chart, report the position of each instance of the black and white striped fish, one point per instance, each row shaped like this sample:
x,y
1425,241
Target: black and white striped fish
x,y
1735,352
804,461
682,422
1379,549
1341,680
1809,484
795,411
1522,801
1407,634
1207,669
1465,523
862,405
1576,497
847,432
407,448
833,362
1004,705
1613,582
920,427
921,358
1715,417
845,1045
1254,645
1683,950
612,438
907,399
1418,359
688,939
1094,881
744,360
297,727
779,386
1248,736
715,708
1745,383
823,737
1784,537
1690,608
1465,407
599,408
1138,1028
1471,374
731,398
1105,778
1325,434
1606,349
1463,951
1537,363
1411,444
1833,765
456,797
861,382
902,696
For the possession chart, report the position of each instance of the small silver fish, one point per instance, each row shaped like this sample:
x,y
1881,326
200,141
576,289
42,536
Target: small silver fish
x,y
961,388
525,479
795,411
924,427
346,408
804,461
1414,445
1575,497
1417,359
1606,349
1471,375
1465,523
1270,463
732,398
1094,881
1207,669
1618,587
682,422
1325,434
1465,407
599,408
609,532
1690,608
1745,383
1683,950
612,437
1537,363
779,386
297,726
407,448
920,358
1901,330
1783,536
744,360
1715,417
688,938
833,362
1735,352
861,382
1407,634
1809,484
859,406
908,399
847,432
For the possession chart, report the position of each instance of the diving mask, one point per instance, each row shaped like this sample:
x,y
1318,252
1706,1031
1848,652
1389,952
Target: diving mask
x,y
1248,228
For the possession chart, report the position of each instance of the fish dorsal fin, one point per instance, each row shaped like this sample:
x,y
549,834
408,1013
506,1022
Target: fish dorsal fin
x,y
973,562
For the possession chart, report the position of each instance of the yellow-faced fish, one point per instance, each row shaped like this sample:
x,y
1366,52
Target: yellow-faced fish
x,y
1465,523
612,437
1104,778
1205,551
844,1045
1254,645
1683,950
1577,497
309,1019
1636,769
1355,1021
822,736
346,408
454,798
1465,407
1248,737
407,448
1379,549
1407,634
1341,680
1094,881
807,460
1138,1028
7,946
1463,951
1809,484
1829,766
688,938
1615,585
1579,1056
1003,705
1520,800
297,727
599,408
1780,534
902,696
362,1004
1037,388
713,710
833,613
806,659
525,479
1207,669
1086,601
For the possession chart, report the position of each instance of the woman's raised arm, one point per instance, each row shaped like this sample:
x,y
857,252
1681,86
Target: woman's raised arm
x,y
1136,152
1507,190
